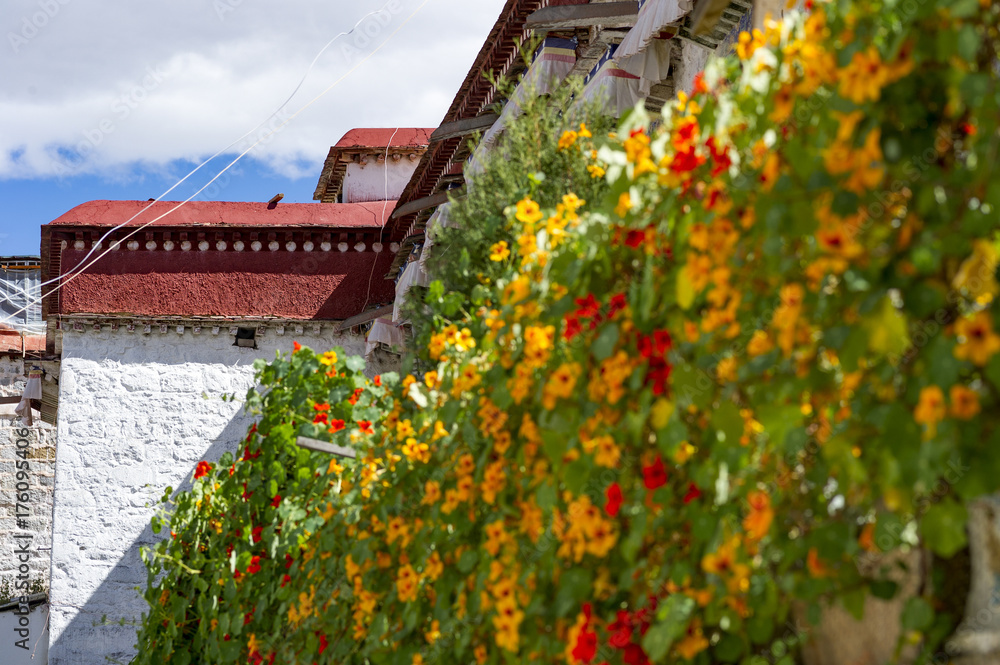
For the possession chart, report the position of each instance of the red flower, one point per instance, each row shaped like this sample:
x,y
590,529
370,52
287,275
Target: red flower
x,y
573,327
296,346
635,238
288,561
254,566
256,535
277,501
248,617
232,469
322,643
692,493
357,393
699,83
654,475
621,630
250,432
321,419
588,307
618,303
378,380
614,504
285,580
322,407
586,642
366,427
202,470
336,425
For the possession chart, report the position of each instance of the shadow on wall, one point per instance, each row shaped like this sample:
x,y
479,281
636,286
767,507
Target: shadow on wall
x,y
104,629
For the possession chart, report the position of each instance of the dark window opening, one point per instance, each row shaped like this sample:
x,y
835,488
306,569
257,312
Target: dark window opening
x,y
246,338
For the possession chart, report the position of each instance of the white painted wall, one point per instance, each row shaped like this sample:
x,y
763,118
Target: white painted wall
x,y
368,183
136,414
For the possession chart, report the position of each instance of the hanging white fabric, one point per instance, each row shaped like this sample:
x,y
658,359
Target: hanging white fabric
x,y
609,89
32,390
651,65
385,332
413,275
551,64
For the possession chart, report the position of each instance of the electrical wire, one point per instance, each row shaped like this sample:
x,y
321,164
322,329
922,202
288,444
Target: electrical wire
x,y
381,232
78,270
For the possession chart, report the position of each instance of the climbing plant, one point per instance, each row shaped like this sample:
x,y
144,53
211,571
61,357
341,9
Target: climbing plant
x,y
666,404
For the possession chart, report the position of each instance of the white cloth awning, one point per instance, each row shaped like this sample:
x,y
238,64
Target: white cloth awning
x,y
654,17
413,275
609,89
552,63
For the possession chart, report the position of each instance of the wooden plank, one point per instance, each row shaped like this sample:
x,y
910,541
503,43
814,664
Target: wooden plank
x,y
364,317
431,201
325,447
607,14
450,130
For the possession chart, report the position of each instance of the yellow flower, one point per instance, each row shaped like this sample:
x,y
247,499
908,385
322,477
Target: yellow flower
x,y
964,402
977,341
863,78
417,452
584,132
567,139
439,431
726,370
406,583
253,645
595,171
528,211
417,658
694,641
499,251
977,276
434,634
434,567
560,384
759,344
431,379
930,409
432,493
329,358
624,204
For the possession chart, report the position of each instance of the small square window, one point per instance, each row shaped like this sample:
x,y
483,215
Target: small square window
x,y
246,338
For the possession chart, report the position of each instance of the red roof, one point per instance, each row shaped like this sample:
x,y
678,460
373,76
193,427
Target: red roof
x,y
380,137
220,273
225,213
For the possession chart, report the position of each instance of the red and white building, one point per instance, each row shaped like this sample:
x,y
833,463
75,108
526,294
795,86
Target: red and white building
x,y
170,319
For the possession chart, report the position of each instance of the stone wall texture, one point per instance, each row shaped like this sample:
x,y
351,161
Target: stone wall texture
x,y
136,415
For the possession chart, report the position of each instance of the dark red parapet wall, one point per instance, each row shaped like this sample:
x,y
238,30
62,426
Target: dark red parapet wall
x,y
291,285
219,259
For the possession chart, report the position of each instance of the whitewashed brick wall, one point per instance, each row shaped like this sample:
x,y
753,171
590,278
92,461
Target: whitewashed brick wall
x,y
136,414
33,529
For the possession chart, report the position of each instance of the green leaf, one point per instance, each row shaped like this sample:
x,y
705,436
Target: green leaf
x,y
574,588
673,616
728,423
685,290
854,603
692,386
943,527
606,341
355,363
887,330
468,561
778,420
917,614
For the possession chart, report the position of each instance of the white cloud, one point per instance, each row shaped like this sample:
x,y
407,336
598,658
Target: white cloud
x,y
92,87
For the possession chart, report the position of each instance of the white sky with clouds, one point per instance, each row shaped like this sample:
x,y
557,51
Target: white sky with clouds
x,y
100,86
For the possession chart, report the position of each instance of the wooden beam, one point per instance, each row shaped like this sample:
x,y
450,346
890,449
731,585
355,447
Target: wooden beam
x,y
607,14
364,317
325,447
450,130
431,201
